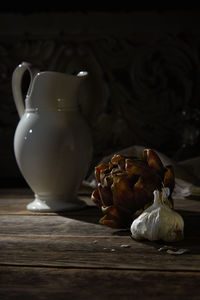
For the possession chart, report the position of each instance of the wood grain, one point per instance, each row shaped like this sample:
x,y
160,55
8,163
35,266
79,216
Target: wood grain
x,y
14,201
70,255
61,283
52,225
92,252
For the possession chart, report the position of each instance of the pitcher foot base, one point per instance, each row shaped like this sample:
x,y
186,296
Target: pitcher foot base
x,y
55,205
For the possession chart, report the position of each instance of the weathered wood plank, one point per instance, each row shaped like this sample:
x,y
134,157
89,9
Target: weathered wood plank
x,y
79,225
14,201
93,252
69,255
53,283
33,236
18,207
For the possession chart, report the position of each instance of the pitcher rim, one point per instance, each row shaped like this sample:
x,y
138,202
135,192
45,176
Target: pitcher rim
x,y
65,74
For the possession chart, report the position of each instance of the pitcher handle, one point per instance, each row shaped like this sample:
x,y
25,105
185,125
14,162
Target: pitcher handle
x,y
17,86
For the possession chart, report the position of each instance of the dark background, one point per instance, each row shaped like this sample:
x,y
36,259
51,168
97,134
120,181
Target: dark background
x,y
144,66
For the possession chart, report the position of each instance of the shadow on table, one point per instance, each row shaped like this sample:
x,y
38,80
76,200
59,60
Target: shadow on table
x,y
191,241
89,214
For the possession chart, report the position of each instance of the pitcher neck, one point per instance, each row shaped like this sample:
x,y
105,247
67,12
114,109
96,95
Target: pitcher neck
x,y
54,91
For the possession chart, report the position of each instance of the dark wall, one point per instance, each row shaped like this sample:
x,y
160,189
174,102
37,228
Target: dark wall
x,y
144,67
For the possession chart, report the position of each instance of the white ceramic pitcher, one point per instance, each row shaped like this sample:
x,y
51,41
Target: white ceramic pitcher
x,y
52,143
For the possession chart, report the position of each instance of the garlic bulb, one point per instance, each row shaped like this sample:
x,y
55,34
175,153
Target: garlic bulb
x,y
159,221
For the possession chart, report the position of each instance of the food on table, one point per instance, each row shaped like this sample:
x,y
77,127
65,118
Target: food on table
x,y
126,185
159,221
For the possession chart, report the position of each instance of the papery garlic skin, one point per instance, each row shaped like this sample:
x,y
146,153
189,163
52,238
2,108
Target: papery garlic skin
x,y
159,221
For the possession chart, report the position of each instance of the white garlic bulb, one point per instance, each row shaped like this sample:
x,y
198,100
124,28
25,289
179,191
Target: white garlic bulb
x,y
159,221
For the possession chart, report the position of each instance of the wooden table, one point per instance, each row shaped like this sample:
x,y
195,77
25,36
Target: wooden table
x,y
70,256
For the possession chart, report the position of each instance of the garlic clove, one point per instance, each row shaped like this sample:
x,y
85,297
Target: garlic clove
x,y
172,225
